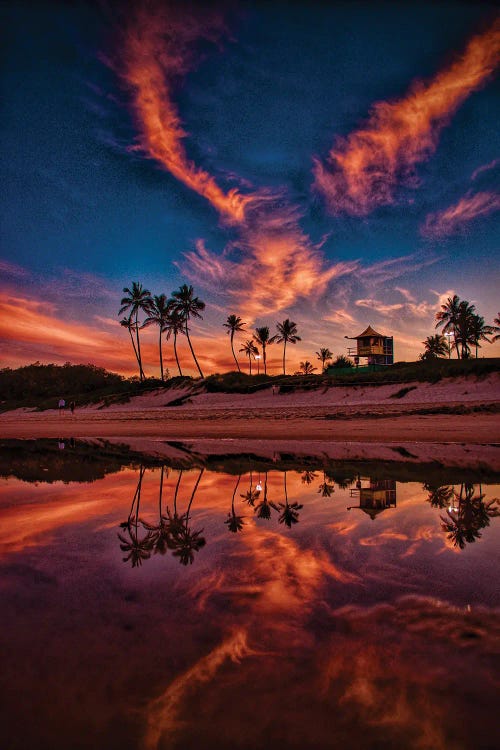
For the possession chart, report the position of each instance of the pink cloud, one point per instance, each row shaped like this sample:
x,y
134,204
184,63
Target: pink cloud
x,y
455,218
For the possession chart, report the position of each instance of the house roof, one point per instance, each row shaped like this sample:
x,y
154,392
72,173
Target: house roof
x,y
368,332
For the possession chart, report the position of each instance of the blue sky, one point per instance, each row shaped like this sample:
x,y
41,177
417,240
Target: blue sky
x,y
88,208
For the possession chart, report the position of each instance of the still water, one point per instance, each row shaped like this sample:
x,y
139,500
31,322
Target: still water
x,y
243,602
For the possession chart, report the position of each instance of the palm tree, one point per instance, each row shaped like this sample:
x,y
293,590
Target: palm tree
x,y
289,511
463,524
324,355
137,299
251,495
174,325
287,333
479,331
188,306
158,316
435,346
448,316
464,326
263,508
233,324
250,351
234,523
262,338
326,488
496,328
184,541
306,368
138,548
160,531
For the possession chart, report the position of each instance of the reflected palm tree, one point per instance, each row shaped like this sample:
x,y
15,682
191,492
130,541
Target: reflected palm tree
x,y
160,531
234,523
263,509
289,511
326,488
464,523
251,495
308,477
183,541
138,548
439,497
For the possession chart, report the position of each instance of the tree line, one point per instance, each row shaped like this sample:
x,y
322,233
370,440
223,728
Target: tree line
x,y
463,329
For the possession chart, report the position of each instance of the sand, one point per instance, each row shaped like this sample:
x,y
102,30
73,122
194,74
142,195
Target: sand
x,y
363,414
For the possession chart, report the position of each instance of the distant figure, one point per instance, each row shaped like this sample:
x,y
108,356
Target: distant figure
x,y
72,407
61,444
72,443
275,390
61,405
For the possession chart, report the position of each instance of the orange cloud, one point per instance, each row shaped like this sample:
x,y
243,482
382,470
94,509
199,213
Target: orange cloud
x,y
157,50
363,170
454,218
277,261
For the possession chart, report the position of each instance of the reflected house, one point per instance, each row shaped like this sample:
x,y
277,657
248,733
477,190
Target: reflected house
x,y
378,496
376,348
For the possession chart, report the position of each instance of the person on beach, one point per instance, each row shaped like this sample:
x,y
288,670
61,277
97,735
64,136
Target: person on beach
x,y
72,407
61,405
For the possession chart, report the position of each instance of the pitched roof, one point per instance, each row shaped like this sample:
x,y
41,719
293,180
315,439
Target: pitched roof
x,y
368,332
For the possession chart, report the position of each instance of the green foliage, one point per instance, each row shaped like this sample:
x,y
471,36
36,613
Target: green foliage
x,y
342,362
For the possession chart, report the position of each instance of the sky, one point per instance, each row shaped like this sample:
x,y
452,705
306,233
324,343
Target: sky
x,y
332,163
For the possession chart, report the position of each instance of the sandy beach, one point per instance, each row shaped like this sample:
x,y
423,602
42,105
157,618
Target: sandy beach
x,y
356,414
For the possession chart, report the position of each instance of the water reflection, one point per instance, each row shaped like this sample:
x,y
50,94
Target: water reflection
x,y
363,626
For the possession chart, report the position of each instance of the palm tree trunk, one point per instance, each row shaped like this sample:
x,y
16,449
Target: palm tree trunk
x,y
175,352
161,490
176,492
141,371
133,344
234,493
161,357
192,351
264,356
193,494
232,349
250,363
284,351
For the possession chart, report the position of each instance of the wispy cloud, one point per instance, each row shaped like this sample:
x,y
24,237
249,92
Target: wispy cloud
x,y
157,50
272,262
455,218
485,168
363,170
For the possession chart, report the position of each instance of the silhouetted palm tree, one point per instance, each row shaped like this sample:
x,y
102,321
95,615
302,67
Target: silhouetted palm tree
x,y
234,523
287,333
308,476
448,316
160,531
137,299
130,326
464,523
233,324
188,306
439,497
251,495
263,508
496,328
262,338
158,316
306,368
326,489
250,351
289,511
479,331
138,549
324,355
184,541
174,325
435,346
464,324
